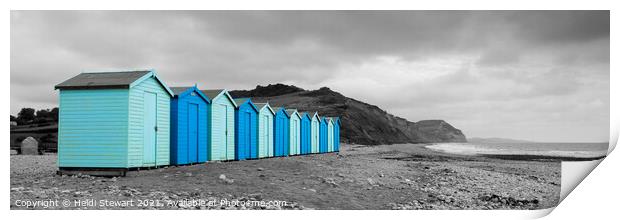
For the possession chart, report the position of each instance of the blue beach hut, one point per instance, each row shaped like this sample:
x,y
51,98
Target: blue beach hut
x,y
294,131
114,120
221,125
336,134
281,133
306,142
188,117
246,129
265,130
323,135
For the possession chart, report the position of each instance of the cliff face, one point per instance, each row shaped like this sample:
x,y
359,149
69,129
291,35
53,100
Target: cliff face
x,y
362,123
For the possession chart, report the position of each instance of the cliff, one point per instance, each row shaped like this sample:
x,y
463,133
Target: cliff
x,y
362,123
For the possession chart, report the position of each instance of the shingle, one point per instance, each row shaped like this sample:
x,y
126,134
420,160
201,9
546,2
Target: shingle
x,y
102,80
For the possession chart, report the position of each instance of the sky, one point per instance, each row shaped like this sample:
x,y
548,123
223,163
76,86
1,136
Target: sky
x,y
531,75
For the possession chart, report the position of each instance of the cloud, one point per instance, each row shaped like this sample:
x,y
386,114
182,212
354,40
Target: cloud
x,y
483,71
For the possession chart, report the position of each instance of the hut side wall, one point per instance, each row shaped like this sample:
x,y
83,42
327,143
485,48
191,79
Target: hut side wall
x,y
92,128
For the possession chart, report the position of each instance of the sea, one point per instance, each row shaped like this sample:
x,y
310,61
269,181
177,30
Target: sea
x,y
574,150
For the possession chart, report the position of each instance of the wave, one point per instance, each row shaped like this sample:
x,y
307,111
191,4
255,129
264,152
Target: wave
x,y
472,149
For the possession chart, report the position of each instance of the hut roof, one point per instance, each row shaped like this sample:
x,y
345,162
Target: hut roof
x,y
110,80
102,80
263,105
211,93
178,90
240,101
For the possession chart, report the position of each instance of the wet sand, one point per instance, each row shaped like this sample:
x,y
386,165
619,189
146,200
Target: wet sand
x,y
405,176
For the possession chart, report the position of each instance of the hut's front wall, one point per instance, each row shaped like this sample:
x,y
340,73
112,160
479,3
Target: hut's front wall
x,y
138,155
281,134
181,149
305,136
265,133
92,129
323,137
330,136
337,136
314,133
295,135
222,119
246,132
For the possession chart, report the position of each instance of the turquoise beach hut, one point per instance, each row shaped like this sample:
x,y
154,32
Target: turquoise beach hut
x,y
305,133
314,133
265,130
336,134
246,129
281,133
295,131
323,135
188,117
330,134
221,117
114,120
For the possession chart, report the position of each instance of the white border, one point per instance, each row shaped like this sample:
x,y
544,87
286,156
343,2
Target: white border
x,y
595,197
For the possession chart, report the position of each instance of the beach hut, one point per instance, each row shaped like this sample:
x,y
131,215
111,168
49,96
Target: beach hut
x,y
281,132
188,129
314,132
246,129
305,133
221,120
323,135
265,130
294,131
114,120
330,134
336,133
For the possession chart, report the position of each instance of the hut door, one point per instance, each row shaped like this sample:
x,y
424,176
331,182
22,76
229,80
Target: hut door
x,y
265,135
150,128
280,139
225,132
248,137
295,144
192,133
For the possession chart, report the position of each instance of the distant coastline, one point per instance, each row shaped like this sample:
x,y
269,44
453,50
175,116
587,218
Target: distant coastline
x,y
527,151
496,140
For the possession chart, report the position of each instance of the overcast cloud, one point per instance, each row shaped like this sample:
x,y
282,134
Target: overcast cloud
x,y
539,75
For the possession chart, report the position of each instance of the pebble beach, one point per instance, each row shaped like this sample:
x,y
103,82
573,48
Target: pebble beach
x,y
402,176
